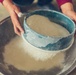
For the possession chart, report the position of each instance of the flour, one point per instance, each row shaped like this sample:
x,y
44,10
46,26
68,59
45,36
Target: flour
x,y
44,26
16,54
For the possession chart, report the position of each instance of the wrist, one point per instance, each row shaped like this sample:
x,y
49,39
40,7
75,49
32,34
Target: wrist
x,y
67,7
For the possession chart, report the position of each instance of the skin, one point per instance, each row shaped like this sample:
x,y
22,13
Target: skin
x,y
68,10
13,10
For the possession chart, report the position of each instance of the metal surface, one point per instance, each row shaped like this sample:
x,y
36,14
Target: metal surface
x,y
7,34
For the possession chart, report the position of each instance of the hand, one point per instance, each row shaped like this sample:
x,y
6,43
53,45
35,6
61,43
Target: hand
x,y
68,10
71,14
13,11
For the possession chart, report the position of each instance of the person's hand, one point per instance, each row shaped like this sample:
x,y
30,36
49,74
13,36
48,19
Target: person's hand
x,y
71,14
68,10
13,11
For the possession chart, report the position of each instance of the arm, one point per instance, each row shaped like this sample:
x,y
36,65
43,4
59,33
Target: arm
x,y
13,11
66,7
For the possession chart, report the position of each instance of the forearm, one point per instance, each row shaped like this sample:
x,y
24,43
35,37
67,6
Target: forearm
x,y
7,4
11,7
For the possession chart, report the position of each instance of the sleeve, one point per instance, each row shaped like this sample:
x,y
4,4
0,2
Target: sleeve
x,y
1,1
61,2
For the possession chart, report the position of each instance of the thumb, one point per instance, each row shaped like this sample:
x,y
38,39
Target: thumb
x,y
18,12
74,17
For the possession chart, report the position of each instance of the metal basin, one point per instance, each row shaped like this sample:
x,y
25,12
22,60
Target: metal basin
x,y
7,35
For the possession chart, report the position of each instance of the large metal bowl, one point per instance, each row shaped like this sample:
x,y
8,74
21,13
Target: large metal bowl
x,y
7,34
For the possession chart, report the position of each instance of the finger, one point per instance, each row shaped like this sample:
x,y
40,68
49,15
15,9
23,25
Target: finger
x,y
17,10
20,28
20,14
15,28
74,17
16,23
16,31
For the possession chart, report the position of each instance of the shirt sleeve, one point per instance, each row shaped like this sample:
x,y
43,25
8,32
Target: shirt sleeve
x,y
61,2
1,1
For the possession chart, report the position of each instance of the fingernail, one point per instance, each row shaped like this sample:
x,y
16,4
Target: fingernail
x,y
20,14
